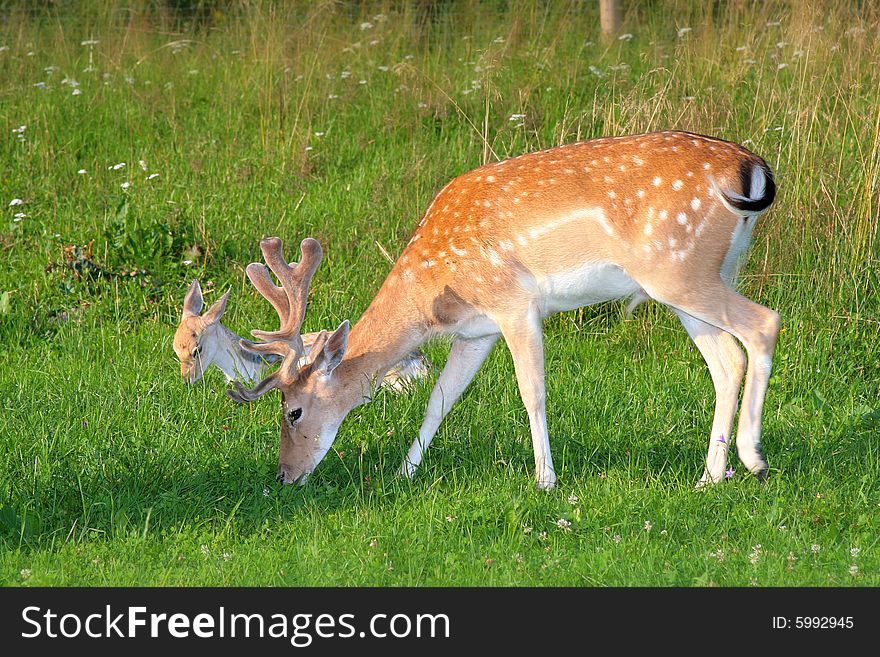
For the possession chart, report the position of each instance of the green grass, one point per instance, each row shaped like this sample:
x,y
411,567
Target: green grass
x,y
114,472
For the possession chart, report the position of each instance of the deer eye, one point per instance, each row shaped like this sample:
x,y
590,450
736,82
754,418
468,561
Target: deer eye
x,y
294,415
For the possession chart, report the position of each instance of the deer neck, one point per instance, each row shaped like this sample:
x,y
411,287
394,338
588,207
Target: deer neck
x,y
235,362
390,329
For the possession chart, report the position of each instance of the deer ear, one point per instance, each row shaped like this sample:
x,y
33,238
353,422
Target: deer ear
x,y
193,302
215,312
333,350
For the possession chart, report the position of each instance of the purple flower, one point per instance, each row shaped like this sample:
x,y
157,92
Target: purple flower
x,y
722,439
728,474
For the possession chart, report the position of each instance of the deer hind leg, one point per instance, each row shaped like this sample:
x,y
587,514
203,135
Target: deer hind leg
x,y
465,358
727,364
526,343
757,328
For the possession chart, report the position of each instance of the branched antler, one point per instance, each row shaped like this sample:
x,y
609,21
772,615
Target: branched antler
x,y
289,301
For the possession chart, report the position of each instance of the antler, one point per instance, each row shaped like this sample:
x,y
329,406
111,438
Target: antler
x,y
289,301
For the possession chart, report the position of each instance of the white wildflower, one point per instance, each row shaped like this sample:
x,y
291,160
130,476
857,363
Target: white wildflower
x,y
682,31
125,185
616,538
648,525
572,499
116,167
152,176
89,42
854,552
15,201
563,524
82,172
854,570
366,25
625,37
25,573
143,164
755,554
815,547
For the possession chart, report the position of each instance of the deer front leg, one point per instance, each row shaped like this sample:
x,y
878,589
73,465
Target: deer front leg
x,y
526,343
465,358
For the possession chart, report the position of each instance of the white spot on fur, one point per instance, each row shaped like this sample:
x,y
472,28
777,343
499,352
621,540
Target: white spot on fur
x,y
657,180
649,229
677,184
640,193
457,251
695,203
663,214
681,217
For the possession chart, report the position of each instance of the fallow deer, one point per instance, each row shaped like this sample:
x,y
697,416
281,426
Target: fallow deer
x,y
202,340
663,216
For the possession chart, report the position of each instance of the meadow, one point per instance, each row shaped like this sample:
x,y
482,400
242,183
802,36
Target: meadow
x,y
144,144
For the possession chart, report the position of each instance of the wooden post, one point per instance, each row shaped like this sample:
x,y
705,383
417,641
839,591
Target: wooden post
x,y
609,16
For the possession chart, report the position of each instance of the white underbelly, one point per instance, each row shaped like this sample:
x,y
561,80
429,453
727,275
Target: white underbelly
x,y
584,286
477,326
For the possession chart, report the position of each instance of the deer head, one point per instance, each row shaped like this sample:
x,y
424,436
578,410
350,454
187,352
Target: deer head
x,y
193,342
312,397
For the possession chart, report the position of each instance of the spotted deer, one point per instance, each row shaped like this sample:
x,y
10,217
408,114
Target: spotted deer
x,y
202,340
663,216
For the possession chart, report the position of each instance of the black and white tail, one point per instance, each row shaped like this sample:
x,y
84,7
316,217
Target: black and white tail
x,y
757,181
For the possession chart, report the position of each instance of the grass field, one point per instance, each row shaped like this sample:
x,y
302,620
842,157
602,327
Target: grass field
x,y
340,121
